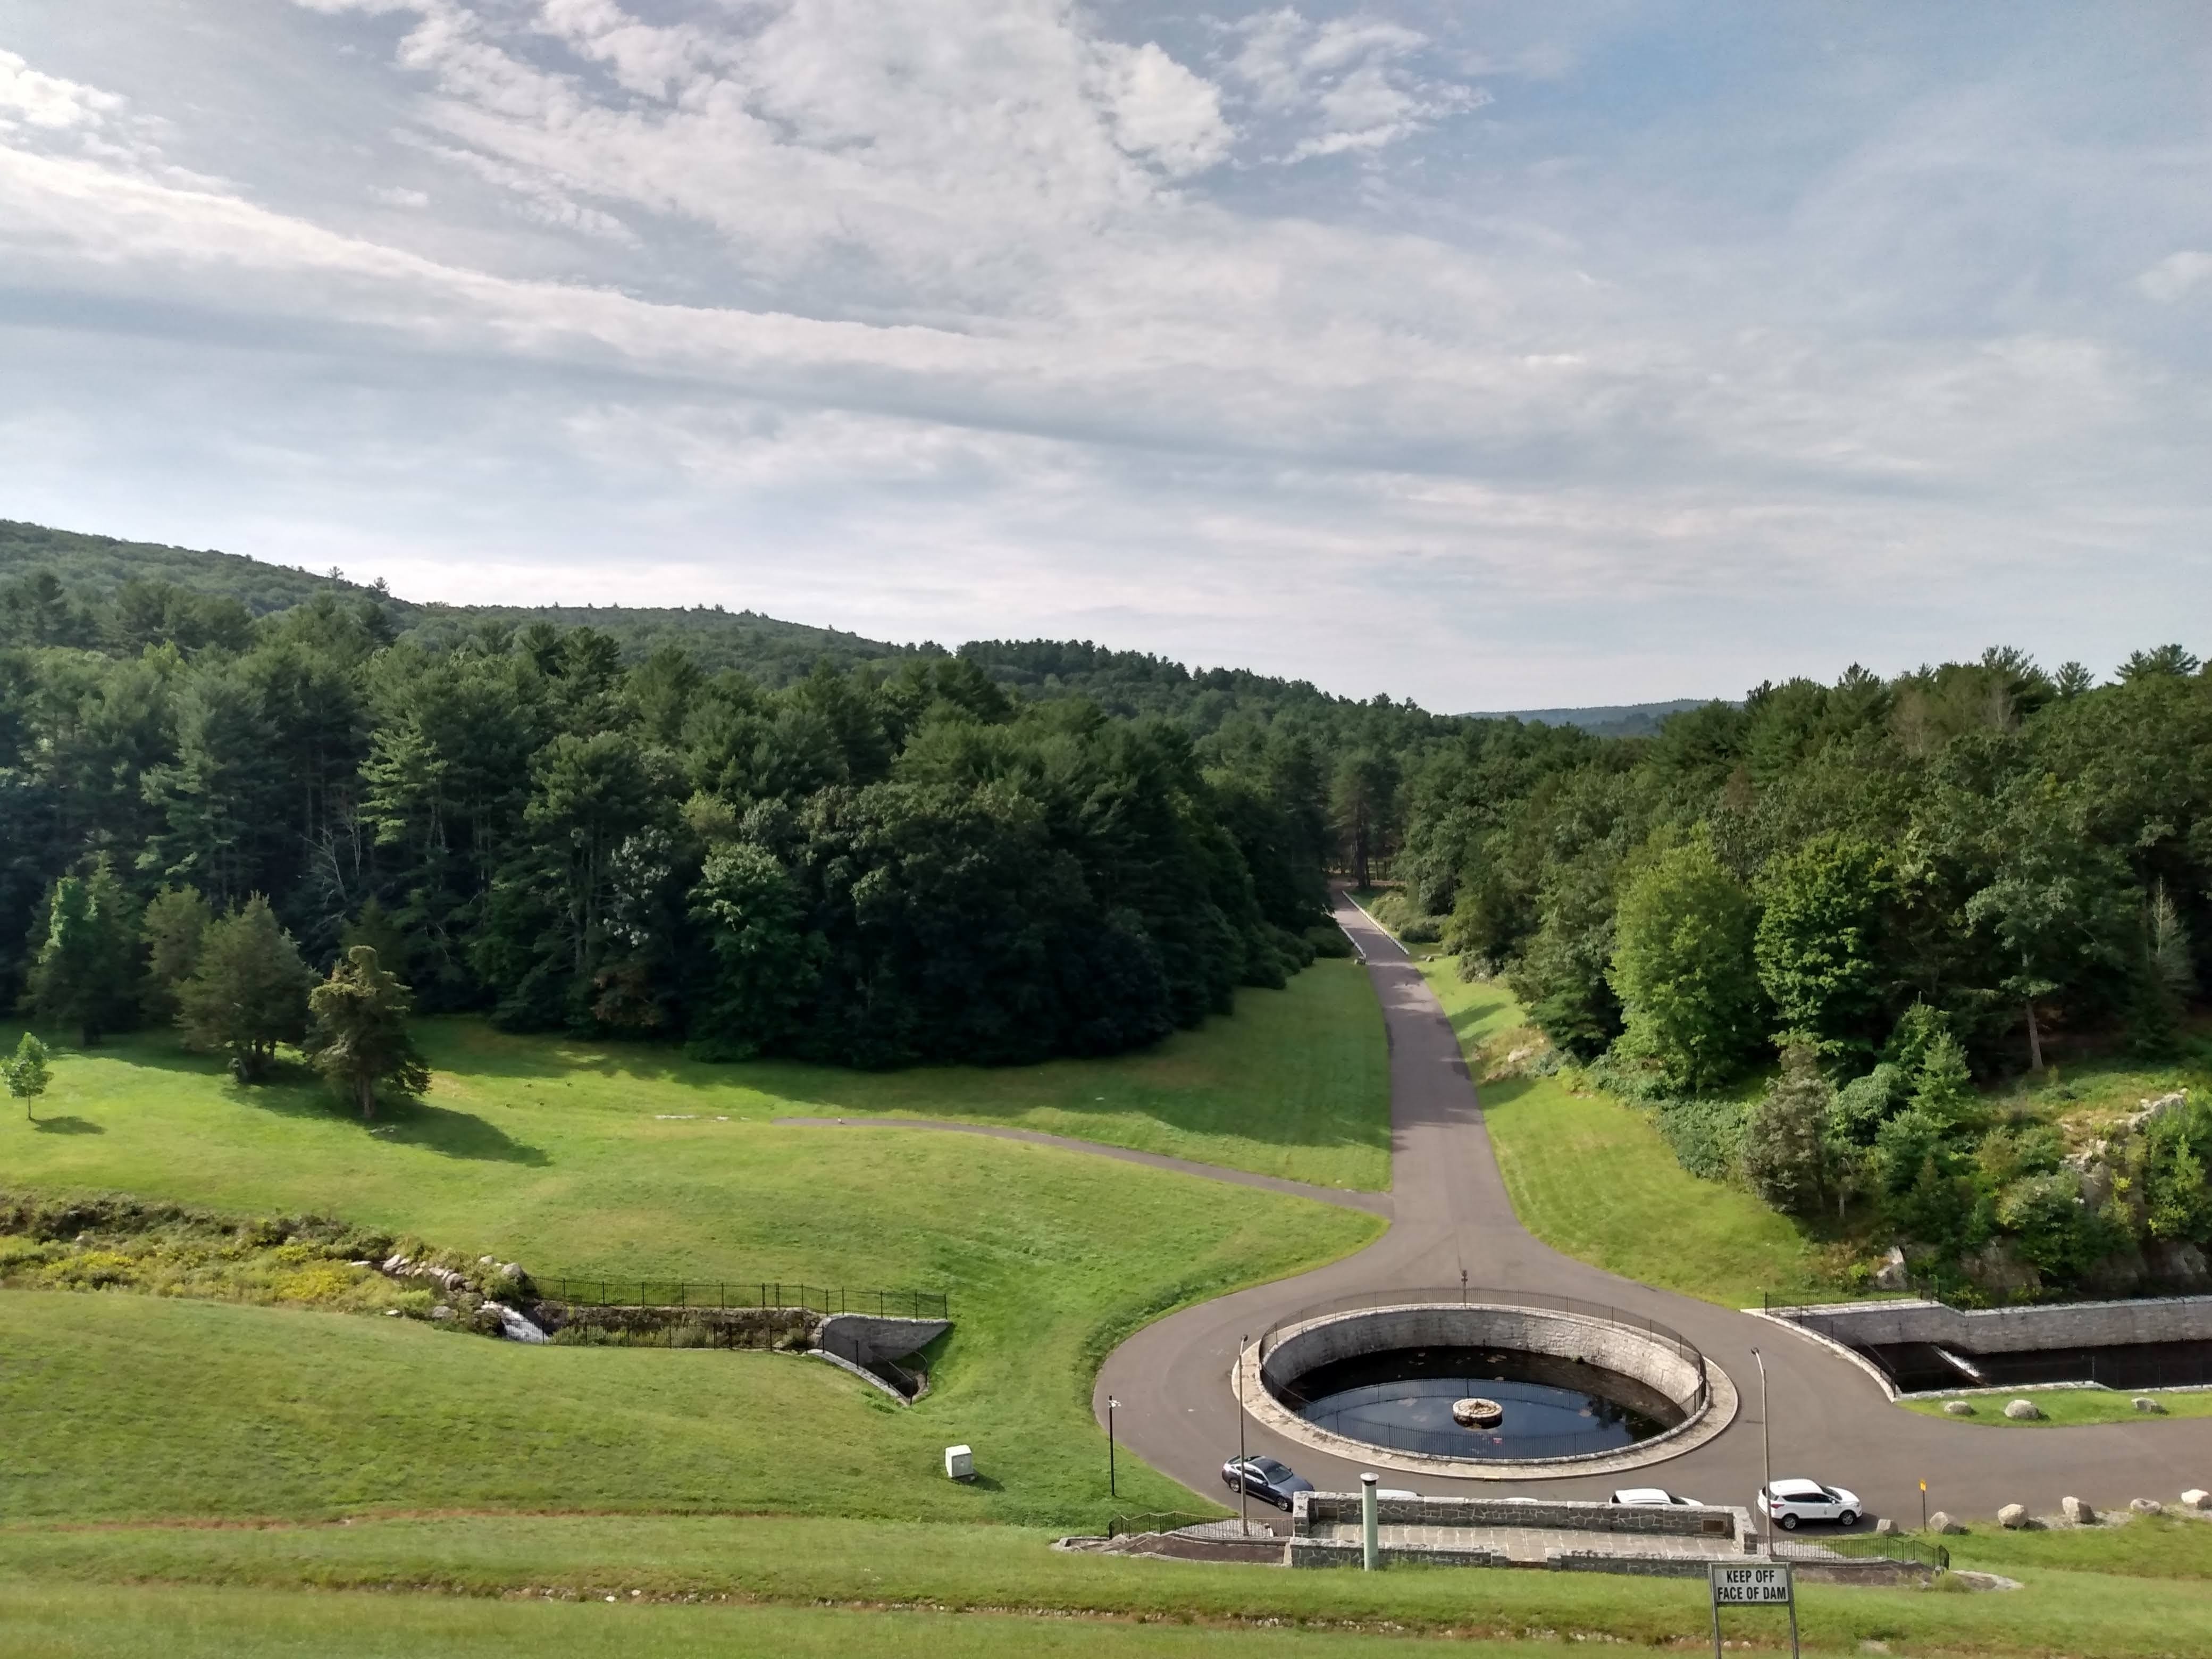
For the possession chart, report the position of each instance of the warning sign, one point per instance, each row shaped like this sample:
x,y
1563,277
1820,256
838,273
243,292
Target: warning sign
x,y
1752,1586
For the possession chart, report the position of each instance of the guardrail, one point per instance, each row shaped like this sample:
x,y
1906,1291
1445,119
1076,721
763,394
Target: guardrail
x,y
1864,1546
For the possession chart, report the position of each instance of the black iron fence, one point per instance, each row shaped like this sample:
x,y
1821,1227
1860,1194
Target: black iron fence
x,y
1478,1296
765,1293
1863,1546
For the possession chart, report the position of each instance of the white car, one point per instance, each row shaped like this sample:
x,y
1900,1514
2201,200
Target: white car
x,y
1790,1502
1654,1498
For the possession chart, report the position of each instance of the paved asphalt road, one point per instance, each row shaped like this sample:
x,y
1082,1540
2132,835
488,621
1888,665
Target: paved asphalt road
x,y
1450,1212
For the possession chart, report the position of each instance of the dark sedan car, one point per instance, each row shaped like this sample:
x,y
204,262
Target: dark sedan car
x,y
1264,1478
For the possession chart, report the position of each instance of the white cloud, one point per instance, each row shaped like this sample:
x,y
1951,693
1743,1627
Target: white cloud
x,y
1354,81
969,316
2176,276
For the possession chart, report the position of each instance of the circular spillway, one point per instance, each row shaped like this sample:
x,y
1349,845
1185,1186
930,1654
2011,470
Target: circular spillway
x,y
1487,1389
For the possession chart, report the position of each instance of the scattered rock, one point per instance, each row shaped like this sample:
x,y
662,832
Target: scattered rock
x,y
1885,1525
1957,1408
2023,1411
2146,1506
442,1311
2013,1516
2077,1512
1941,1522
1894,1274
2196,1498
2145,1403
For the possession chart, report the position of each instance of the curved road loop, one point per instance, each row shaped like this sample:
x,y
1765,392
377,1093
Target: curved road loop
x,y
1449,1213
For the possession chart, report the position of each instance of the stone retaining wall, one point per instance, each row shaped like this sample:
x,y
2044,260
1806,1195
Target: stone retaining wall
x,y
1310,1509
865,1338
2011,1330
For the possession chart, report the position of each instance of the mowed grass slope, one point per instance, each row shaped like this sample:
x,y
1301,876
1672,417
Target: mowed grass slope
x,y
628,1164
1590,1176
2142,1590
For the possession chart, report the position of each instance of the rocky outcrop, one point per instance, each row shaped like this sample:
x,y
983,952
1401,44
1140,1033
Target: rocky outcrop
x,y
1894,1274
1999,1274
2179,1263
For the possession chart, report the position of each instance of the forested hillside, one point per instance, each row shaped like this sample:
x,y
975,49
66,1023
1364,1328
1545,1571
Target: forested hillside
x,y
1896,887
59,587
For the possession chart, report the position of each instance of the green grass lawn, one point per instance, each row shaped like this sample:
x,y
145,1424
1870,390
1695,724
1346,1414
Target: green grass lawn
x,y
1296,1083
2062,1407
628,1162
1650,1220
2145,1588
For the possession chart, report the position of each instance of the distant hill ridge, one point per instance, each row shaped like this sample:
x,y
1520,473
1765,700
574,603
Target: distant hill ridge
x,y
1628,719
775,652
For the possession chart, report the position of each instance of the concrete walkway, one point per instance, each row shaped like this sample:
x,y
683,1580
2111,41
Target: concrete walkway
x,y
1449,1213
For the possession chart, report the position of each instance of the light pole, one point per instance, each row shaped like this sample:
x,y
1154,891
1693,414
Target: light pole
x,y
1113,1490
1244,1498
1766,1457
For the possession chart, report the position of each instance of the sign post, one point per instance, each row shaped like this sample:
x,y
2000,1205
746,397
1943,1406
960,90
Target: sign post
x,y
1766,1585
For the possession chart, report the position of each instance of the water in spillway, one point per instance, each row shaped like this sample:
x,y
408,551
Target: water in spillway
x,y
1402,1399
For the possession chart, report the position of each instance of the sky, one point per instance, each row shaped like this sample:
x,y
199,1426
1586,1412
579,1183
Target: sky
x,y
1493,355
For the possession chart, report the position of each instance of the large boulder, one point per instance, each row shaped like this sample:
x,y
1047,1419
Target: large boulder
x,y
2143,1403
2077,1512
2146,1506
1941,1522
1885,1525
1999,1274
2023,1411
1958,1408
2196,1498
2013,1516
2178,1263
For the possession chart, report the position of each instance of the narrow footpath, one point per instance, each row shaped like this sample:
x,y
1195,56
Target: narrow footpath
x,y
1450,1214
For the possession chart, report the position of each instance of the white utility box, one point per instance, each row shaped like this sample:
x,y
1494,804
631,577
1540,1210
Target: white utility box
x,y
959,1463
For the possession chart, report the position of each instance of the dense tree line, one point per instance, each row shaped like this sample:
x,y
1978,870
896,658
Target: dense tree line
x,y
866,866
1899,884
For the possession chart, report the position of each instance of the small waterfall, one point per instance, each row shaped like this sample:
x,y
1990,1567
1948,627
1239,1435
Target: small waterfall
x,y
513,1325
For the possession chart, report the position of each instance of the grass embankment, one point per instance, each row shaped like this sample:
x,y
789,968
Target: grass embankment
x,y
1296,1083
629,1162
1642,1214
2138,1589
2062,1407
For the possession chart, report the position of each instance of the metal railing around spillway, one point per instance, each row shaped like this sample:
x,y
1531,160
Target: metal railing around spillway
x,y
1860,1547
1478,1296
739,1294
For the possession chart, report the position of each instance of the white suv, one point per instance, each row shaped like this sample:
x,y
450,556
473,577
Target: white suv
x,y
1790,1502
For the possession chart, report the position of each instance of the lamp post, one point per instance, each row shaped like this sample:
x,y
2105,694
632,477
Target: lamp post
x,y
1765,1456
1113,1490
1244,1498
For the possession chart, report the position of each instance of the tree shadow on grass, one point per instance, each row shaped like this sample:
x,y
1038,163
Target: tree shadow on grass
x,y
66,1126
456,1134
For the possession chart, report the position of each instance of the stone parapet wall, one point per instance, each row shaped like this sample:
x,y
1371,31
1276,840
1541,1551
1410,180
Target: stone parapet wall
x,y
2011,1330
1313,1510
